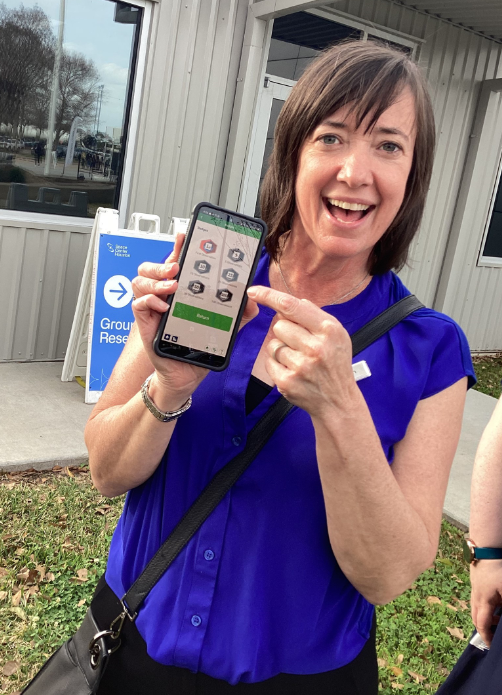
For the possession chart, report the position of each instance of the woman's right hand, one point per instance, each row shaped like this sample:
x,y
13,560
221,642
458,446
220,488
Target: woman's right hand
x,y
154,283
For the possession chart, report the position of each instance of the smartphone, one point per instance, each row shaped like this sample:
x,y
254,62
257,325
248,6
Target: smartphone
x,y
217,263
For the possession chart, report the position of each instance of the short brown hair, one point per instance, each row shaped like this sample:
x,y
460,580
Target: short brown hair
x,y
369,76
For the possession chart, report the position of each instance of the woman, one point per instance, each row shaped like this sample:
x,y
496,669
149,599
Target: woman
x,y
275,593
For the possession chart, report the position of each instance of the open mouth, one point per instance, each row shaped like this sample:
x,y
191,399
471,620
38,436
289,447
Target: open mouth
x,y
347,212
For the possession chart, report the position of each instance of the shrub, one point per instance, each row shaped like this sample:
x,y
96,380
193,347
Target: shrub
x,y
9,173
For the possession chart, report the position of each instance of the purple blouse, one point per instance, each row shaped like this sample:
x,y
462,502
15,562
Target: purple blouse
x,y
258,590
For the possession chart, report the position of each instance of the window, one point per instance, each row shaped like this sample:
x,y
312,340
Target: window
x,y
66,77
298,38
493,241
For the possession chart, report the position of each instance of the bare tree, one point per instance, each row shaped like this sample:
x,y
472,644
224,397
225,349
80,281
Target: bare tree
x,y
78,90
26,61
27,52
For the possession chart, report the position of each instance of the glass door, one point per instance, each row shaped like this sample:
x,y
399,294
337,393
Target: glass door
x,y
272,96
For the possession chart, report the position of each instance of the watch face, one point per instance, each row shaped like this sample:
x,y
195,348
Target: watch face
x,y
468,548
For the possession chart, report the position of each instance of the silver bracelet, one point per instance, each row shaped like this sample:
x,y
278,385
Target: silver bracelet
x,y
163,417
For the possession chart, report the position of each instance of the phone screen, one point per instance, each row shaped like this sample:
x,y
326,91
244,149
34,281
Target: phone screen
x,y
216,269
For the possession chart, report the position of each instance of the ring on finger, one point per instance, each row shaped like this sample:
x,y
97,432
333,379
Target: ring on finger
x,y
275,350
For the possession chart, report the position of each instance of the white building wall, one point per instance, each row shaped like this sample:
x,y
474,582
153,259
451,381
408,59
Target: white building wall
x,y
187,105
41,264
470,292
194,53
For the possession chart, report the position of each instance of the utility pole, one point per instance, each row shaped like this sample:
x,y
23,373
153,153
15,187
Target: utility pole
x,y
98,106
55,88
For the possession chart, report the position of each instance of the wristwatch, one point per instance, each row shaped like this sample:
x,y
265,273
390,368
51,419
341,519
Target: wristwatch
x,y
159,414
472,553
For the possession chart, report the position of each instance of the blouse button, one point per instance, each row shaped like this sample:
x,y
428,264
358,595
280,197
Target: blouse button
x,y
208,554
236,441
196,620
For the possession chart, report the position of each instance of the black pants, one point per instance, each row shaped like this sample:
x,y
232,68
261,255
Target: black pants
x,y
132,672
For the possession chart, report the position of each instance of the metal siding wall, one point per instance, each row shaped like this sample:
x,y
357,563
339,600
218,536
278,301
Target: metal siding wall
x,y
456,62
187,105
40,273
473,294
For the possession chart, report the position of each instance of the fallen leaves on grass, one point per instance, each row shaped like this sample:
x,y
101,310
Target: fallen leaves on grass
x,y
16,599
418,678
28,576
463,605
434,599
456,632
103,509
10,668
81,578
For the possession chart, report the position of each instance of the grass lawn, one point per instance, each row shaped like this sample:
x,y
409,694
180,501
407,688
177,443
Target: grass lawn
x,y
56,529
489,373
55,535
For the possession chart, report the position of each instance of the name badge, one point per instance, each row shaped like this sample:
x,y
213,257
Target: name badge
x,y
361,370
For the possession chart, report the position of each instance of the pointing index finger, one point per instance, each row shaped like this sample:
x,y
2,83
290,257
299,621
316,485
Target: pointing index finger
x,y
300,311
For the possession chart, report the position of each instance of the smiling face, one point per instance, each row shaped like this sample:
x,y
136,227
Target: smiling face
x,y
350,183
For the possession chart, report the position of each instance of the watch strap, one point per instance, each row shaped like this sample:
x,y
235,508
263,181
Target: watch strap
x,y
488,553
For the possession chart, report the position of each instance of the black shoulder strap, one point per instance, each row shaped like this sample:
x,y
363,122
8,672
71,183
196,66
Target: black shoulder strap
x,y
382,323
221,483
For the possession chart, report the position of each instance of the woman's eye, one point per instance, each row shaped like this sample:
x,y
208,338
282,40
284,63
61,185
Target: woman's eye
x,y
329,139
390,147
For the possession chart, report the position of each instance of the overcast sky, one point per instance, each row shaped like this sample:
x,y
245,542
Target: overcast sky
x,y
90,29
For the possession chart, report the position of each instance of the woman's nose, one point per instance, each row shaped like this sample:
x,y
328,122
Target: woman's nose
x,y
355,170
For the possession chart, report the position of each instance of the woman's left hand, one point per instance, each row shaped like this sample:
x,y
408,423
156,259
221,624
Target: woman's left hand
x,y
310,358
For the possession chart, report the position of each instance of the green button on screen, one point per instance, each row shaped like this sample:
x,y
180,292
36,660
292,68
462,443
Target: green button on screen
x,y
206,318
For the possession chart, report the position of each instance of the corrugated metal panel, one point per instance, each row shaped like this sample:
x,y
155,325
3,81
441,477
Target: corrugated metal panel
x,y
40,273
187,105
482,15
455,62
470,293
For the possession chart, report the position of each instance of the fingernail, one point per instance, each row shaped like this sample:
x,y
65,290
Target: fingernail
x,y
168,283
252,292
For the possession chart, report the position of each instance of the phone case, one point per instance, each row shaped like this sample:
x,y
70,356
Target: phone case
x,y
184,250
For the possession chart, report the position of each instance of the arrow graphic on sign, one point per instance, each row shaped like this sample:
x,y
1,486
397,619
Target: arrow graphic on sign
x,y
122,291
118,291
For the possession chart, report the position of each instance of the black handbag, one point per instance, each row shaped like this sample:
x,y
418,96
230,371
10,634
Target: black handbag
x,y
77,667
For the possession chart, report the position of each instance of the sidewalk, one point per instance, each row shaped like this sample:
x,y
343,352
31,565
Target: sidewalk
x,y
42,421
